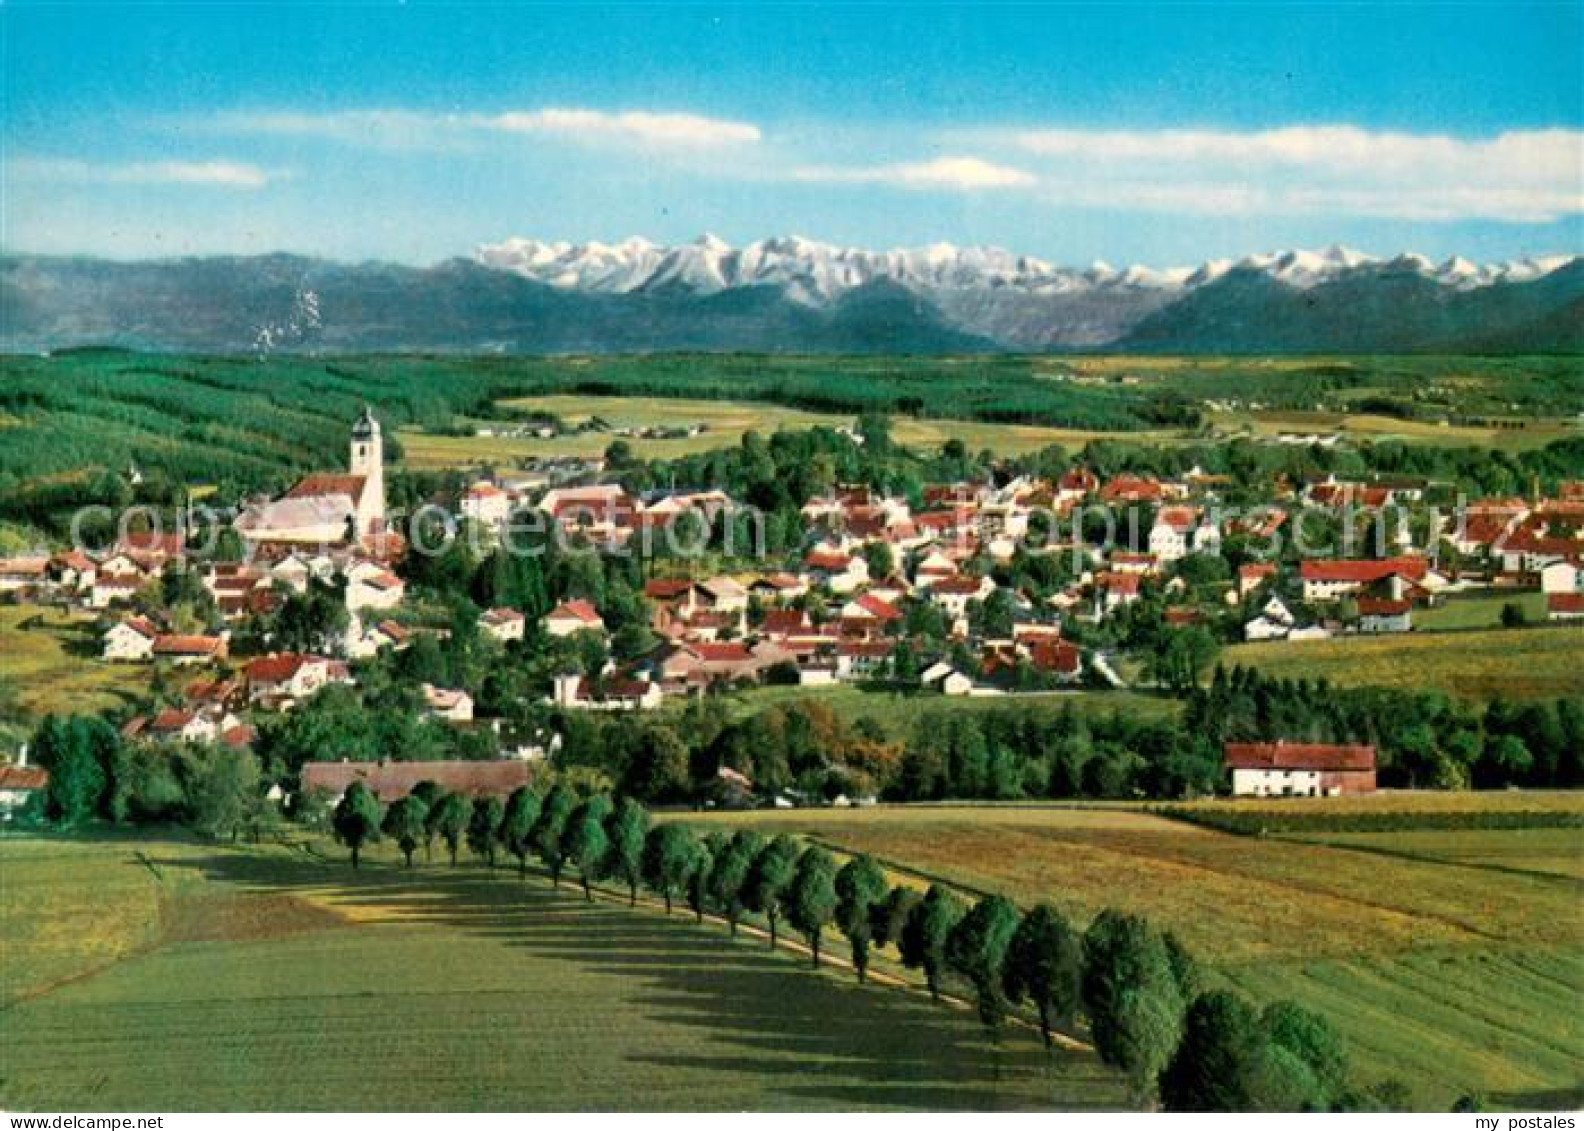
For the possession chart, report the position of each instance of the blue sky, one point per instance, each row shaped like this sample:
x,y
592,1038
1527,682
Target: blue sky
x,y
1161,134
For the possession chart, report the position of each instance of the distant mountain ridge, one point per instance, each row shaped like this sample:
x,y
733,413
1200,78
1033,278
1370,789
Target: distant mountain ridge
x,y
792,295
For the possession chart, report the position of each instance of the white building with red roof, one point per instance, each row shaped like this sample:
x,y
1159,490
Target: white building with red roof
x,y
1299,769
573,616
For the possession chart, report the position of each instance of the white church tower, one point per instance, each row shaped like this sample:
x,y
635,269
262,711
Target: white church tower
x,y
368,460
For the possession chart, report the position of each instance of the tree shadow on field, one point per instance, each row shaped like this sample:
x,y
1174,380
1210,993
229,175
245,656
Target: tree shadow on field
x,y
811,1040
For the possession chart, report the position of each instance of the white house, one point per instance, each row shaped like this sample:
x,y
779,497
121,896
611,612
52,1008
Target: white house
x,y
450,704
573,616
486,504
131,640
1275,622
946,679
504,625
579,693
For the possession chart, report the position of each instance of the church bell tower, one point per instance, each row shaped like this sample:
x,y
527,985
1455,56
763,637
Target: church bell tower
x,y
368,460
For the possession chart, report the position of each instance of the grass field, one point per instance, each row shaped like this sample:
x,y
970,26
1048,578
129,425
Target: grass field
x,y
1480,610
274,979
1540,663
725,423
896,712
51,659
1454,963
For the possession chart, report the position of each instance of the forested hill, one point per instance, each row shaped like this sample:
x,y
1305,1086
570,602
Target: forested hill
x,y
1383,311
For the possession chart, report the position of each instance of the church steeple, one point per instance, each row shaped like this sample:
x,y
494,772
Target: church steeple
x,y
368,460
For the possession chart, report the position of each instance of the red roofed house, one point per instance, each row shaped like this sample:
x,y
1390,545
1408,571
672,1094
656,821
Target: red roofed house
x,y
573,616
290,675
1296,769
577,692
1330,580
486,504
867,613
841,572
1385,614
1251,575
19,785
703,662
182,650
1132,489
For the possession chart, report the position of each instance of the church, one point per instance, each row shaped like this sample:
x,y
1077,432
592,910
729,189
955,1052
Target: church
x,y
328,508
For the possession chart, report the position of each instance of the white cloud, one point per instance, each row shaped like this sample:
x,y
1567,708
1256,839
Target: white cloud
x,y
1527,176
412,129
219,174
960,174
684,131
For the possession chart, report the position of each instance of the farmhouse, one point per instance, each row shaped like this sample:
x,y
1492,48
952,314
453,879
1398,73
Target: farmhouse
x,y
1299,769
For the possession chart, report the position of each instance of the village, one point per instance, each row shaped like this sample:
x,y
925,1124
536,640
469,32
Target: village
x,y
877,592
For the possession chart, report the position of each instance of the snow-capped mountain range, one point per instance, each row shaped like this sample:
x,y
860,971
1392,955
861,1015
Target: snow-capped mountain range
x,y
792,295
817,273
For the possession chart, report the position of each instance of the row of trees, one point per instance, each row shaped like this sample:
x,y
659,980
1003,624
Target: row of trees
x,y
1137,988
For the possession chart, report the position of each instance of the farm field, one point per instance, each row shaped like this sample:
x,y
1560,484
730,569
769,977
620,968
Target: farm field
x,y
1539,663
51,661
1528,433
1449,976
1555,852
272,978
724,421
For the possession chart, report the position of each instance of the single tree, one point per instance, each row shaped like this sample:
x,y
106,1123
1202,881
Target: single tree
x,y
810,900
1044,965
483,831
449,817
627,829
1215,1065
430,793
708,850
924,934
517,825
671,853
357,819
404,823
860,888
729,874
549,832
977,948
768,878
1132,997
890,915
586,841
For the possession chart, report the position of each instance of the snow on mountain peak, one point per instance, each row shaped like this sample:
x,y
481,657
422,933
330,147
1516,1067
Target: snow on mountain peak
x,y
816,273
